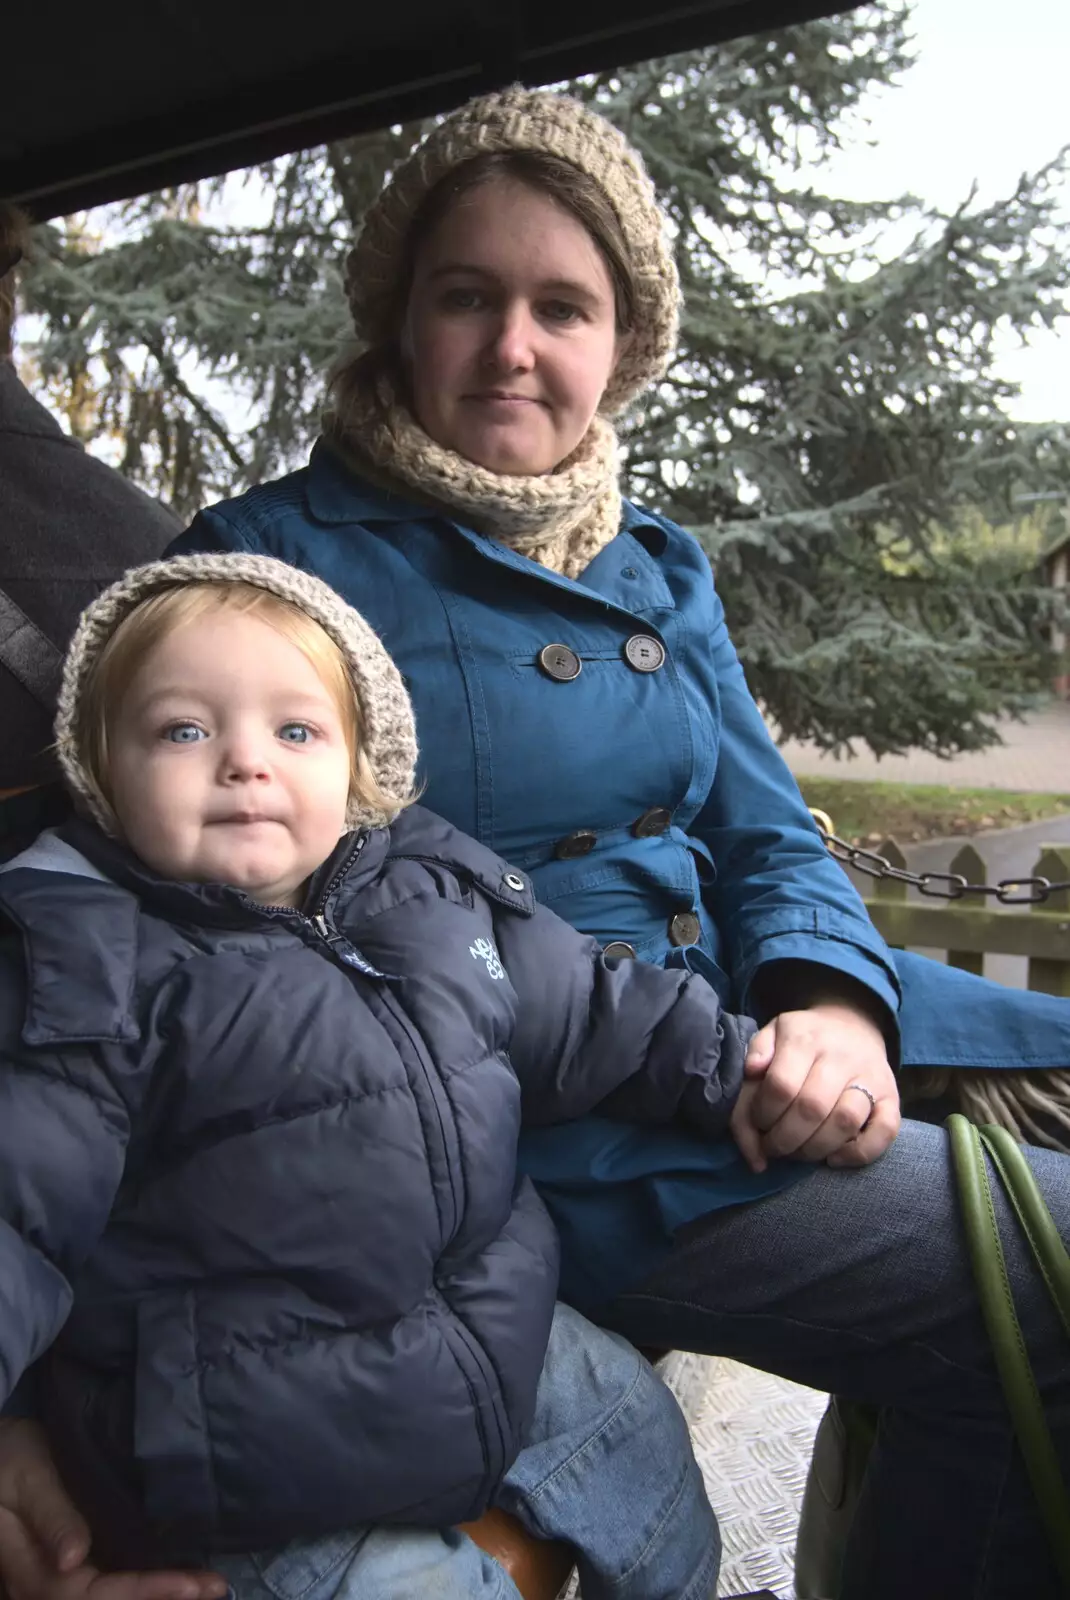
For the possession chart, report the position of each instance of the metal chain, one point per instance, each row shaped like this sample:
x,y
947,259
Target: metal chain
x,y
942,885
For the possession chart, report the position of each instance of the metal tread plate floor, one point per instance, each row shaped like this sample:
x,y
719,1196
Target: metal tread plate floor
x,y
753,1435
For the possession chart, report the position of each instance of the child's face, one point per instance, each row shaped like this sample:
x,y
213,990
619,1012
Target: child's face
x,y
228,760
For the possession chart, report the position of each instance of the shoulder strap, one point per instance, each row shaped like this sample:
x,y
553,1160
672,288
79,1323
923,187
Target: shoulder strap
x,y
28,655
1036,1220
997,1305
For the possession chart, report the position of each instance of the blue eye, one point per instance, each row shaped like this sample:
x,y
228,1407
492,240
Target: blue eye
x,y
295,733
184,733
561,311
462,299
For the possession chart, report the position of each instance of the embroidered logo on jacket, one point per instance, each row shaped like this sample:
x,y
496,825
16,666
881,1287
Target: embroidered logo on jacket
x,y
483,950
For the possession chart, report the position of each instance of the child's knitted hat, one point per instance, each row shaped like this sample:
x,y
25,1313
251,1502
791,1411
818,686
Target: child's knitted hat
x,y
386,718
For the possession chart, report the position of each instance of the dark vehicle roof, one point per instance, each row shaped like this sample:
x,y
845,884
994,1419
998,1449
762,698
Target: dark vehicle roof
x,y
103,101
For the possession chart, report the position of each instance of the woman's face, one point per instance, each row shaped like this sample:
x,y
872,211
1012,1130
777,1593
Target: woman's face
x,y
510,332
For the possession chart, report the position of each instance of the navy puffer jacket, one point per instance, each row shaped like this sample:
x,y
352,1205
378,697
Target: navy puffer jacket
x,y
257,1173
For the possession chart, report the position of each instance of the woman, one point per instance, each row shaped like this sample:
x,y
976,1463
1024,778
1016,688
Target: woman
x,y
582,711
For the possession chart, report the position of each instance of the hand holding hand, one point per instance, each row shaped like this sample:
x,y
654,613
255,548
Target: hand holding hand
x,y
799,1096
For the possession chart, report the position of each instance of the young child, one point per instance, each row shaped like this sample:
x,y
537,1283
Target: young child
x,y
267,1035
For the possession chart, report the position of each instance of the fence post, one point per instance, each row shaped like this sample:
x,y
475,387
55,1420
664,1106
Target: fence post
x,y
890,888
1052,977
969,865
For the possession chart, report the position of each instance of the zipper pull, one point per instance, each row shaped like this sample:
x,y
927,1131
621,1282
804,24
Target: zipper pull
x,y
342,950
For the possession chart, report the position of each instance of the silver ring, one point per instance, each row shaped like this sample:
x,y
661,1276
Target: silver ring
x,y
871,1097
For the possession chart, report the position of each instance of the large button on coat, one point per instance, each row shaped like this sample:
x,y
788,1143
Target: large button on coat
x,y
577,844
560,663
643,653
652,822
684,929
512,758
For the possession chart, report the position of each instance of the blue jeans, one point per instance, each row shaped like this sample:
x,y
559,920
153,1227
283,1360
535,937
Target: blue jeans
x,y
607,1467
859,1283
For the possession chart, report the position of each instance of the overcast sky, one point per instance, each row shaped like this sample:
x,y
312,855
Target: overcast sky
x,y
987,99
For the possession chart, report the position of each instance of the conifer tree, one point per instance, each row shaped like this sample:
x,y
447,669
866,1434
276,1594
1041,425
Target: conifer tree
x,y
832,413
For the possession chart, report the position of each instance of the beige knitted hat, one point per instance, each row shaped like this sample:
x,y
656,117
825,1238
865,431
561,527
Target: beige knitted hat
x,y
554,124
389,730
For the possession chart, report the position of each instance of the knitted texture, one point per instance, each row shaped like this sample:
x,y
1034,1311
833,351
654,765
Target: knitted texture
x,y
1033,1104
386,717
553,124
560,519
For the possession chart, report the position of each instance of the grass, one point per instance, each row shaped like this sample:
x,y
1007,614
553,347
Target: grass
x,y
866,813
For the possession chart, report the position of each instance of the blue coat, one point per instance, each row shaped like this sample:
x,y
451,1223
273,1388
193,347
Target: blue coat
x,y
525,761
258,1174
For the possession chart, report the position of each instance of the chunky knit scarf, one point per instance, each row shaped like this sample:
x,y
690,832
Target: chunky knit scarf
x,y
561,519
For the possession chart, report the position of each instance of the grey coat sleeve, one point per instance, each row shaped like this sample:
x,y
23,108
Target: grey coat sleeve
x,y
630,1040
63,1136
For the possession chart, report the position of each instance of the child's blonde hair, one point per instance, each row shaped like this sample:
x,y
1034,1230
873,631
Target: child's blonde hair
x,y
154,619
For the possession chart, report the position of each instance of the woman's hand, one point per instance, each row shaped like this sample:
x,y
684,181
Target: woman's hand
x,y
798,1100
44,1541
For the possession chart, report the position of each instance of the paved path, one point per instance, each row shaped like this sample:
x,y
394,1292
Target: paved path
x,y
1035,755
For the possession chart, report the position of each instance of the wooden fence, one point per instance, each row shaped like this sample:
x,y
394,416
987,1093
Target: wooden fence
x,y
968,930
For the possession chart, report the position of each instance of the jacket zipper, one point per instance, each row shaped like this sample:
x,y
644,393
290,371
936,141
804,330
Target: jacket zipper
x,y
317,919
438,1100
340,876
324,931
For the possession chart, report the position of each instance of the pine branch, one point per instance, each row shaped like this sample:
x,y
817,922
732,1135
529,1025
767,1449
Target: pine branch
x,y
211,422
834,428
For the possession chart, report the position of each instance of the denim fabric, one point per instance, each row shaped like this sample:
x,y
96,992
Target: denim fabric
x,y
607,1467
859,1282
370,1564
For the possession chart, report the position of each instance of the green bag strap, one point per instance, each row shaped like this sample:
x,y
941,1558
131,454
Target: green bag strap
x,y
1036,1220
1001,1320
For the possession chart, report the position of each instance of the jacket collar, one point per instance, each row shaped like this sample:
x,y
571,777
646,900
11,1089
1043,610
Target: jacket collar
x,y
81,849
336,494
217,905
51,853
21,413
